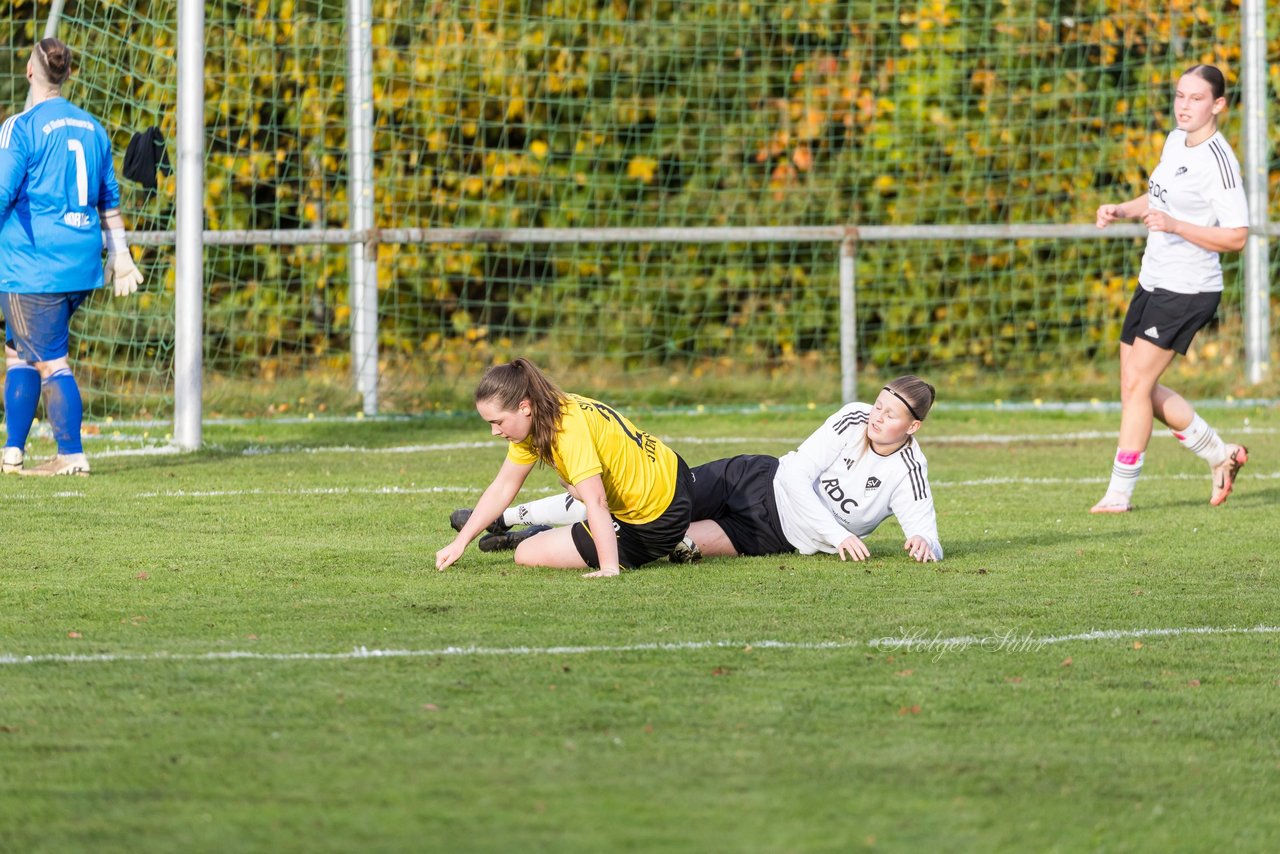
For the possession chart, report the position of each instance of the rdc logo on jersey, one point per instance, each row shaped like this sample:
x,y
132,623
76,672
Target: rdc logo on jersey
x,y
1181,171
873,483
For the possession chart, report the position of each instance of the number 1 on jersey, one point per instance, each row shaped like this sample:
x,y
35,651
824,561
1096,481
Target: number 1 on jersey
x,y
82,172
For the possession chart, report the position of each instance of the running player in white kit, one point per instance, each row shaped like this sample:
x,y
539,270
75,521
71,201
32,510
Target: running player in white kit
x,y
1194,209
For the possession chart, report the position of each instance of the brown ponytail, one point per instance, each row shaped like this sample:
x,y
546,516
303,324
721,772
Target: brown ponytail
x,y
507,385
53,59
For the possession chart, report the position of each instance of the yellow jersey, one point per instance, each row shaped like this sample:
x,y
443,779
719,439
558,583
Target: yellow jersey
x,y
638,470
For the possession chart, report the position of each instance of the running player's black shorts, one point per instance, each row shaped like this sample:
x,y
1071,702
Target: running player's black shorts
x,y
1167,319
737,494
641,544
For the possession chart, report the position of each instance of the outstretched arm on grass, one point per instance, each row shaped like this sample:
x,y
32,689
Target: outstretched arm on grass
x,y
495,499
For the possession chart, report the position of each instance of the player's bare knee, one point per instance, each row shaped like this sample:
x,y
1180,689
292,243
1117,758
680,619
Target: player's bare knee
x,y
1135,384
524,555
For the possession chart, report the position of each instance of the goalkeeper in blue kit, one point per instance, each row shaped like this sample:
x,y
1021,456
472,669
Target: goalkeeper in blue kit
x,y
58,201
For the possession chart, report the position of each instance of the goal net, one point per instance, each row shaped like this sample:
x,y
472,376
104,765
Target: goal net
x,y
575,114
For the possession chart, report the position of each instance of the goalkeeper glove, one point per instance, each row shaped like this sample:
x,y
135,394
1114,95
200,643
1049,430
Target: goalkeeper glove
x,y
120,268
121,271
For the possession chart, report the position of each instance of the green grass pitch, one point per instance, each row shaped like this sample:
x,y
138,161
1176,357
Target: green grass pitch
x,y
535,710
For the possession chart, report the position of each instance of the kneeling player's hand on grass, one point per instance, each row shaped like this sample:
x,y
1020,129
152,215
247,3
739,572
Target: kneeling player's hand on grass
x,y
852,548
603,573
919,548
122,272
449,554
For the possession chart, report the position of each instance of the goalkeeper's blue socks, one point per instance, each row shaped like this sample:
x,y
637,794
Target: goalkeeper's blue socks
x,y
66,411
21,396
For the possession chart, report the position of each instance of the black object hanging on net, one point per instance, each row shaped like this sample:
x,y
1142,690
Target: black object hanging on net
x,y
145,154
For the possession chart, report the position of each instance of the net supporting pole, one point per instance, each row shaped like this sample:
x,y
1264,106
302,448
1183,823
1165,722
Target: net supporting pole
x,y
1257,286
363,254
188,333
848,320
55,15
50,32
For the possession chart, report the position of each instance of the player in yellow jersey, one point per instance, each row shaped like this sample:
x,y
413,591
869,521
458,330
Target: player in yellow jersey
x,y
638,492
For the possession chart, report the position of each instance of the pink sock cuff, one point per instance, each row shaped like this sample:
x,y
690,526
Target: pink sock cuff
x,y
1128,458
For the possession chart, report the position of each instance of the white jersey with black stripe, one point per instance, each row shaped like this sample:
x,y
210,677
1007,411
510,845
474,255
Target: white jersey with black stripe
x,y
1200,185
834,484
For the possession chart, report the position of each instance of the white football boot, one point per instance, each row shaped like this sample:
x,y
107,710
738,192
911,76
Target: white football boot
x,y
12,463
1224,473
73,464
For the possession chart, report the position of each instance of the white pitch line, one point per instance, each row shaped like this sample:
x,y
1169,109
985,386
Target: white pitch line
x,y
320,490
1027,641
991,438
161,450
677,441
548,490
300,491
976,439
149,451
1069,406
921,642
267,450
1049,481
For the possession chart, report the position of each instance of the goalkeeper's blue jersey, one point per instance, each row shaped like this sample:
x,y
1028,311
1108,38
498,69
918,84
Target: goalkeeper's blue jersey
x,y
56,173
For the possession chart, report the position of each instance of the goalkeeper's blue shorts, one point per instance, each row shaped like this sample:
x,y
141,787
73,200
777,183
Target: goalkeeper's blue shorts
x,y
37,325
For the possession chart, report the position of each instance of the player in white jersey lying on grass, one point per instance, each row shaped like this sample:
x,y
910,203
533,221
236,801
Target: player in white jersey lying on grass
x,y
859,468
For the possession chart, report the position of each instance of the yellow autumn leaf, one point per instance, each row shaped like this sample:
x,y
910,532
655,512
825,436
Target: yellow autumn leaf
x,y
812,124
538,148
642,169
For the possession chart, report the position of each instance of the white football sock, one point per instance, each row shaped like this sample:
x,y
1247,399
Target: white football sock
x,y
1124,471
1202,440
555,510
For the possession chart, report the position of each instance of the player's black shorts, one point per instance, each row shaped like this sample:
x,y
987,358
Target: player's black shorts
x,y
1167,319
640,544
737,494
